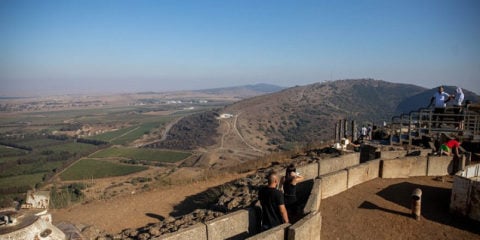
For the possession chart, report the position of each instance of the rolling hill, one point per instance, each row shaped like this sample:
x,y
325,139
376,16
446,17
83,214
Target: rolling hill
x,y
308,113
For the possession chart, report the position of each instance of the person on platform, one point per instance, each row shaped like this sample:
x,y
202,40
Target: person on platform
x,y
440,98
271,199
458,110
363,132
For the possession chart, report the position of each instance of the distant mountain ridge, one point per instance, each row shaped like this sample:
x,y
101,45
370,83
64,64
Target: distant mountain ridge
x,y
252,90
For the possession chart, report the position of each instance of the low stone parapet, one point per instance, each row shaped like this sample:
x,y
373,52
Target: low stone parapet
x,y
315,198
386,155
440,165
404,167
334,183
197,232
276,233
309,171
363,172
236,225
330,165
308,228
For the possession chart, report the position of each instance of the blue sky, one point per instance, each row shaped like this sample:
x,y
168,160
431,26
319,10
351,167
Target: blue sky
x,y
56,47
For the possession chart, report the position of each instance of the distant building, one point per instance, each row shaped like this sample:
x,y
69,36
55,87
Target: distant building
x,y
225,115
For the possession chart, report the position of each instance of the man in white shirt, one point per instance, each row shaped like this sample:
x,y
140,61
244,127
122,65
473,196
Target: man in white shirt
x,y
440,98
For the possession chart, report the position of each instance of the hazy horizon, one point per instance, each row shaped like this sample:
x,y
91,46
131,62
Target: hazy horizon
x,y
93,47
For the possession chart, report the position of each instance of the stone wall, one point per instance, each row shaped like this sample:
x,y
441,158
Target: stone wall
x,y
404,167
237,225
324,178
362,173
276,233
330,165
197,231
308,228
315,198
386,155
334,183
440,165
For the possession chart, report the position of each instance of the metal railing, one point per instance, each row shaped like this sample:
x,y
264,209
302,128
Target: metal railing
x,y
414,125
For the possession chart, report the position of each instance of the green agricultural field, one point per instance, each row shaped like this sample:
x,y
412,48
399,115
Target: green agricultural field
x,y
129,134
31,168
109,136
142,154
42,142
136,132
8,151
21,180
90,168
72,147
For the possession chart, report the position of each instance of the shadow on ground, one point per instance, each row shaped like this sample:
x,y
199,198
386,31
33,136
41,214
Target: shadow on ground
x,y
203,200
156,216
435,204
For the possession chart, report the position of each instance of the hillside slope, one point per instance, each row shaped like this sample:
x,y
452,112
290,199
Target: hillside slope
x,y
308,113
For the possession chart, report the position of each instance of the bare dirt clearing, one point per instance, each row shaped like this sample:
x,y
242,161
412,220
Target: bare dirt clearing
x,y
380,209
135,210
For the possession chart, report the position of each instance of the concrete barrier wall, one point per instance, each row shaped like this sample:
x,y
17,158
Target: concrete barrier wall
x,y
465,198
309,171
419,166
235,225
475,201
330,165
460,195
440,165
471,171
276,233
395,168
197,231
362,173
420,152
308,228
315,198
386,155
334,183
404,167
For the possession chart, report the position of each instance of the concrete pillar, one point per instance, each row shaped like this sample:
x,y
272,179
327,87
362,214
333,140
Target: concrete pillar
x,y
354,130
345,128
341,129
337,130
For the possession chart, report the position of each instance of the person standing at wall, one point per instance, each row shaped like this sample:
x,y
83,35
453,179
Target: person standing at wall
x,y
440,98
271,199
363,132
289,185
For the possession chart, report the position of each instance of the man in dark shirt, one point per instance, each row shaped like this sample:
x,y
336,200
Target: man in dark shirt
x,y
274,212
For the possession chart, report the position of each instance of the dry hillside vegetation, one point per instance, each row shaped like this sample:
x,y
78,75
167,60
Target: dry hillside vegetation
x,y
283,120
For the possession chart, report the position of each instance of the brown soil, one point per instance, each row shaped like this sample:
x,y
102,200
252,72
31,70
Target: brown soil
x,y
135,210
380,209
